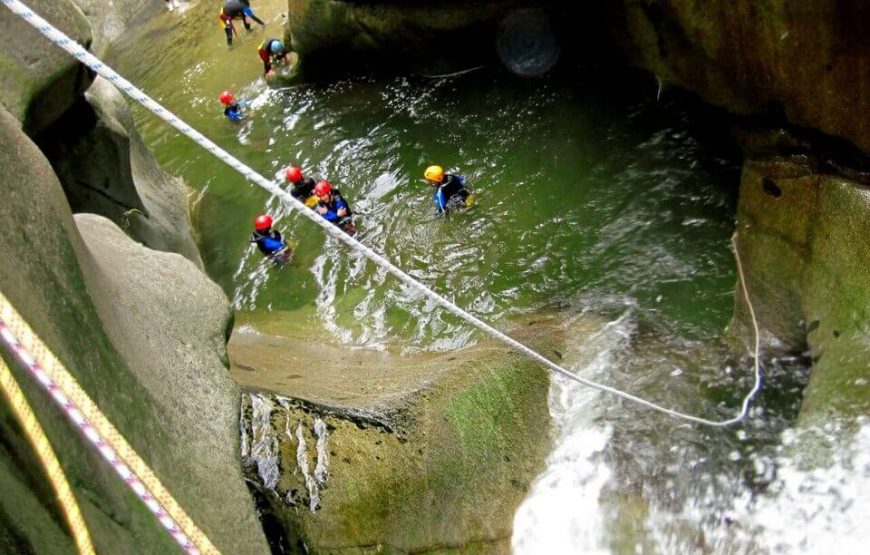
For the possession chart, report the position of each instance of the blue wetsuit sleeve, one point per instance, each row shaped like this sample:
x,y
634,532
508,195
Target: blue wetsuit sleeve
x,y
331,216
272,245
440,201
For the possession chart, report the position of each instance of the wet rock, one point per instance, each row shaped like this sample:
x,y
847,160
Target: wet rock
x,y
41,81
143,332
111,19
808,62
106,169
329,33
451,471
804,237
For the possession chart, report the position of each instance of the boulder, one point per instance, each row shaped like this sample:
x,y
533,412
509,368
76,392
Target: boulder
x,y
150,356
401,453
110,19
329,34
41,81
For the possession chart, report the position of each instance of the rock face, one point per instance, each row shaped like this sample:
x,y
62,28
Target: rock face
x,y
142,331
336,32
40,81
802,223
354,461
808,61
110,19
106,169
804,236
149,355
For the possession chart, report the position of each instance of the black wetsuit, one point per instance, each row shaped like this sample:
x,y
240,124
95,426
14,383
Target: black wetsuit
x,y
303,189
268,243
451,193
237,9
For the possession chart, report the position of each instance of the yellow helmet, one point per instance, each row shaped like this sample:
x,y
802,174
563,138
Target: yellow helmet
x,y
434,173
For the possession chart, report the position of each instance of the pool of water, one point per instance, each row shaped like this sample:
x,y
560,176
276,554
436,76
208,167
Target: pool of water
x,y
594,195
579,190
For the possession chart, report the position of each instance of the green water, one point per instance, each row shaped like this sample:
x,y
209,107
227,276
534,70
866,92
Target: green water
x,y
584,190
592,194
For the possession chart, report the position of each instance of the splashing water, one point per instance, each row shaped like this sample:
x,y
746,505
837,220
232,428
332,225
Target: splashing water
x,y
591,199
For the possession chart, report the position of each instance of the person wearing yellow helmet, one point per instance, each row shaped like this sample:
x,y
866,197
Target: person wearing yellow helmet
x,y
450,191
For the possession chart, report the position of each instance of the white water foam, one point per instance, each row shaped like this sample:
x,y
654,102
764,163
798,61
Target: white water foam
x,y
820,508
562,513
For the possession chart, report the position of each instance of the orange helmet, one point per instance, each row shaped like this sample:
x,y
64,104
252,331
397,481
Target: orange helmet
x,y
434,173
263,222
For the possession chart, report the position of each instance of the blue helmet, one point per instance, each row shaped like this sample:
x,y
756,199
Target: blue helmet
x,y
276,47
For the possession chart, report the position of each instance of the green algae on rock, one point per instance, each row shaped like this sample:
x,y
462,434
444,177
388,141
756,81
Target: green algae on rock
x,y
805,239
446,472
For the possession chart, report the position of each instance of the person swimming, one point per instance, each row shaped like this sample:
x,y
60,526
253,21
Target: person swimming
x,y
450,190
333,207
269,241
232,109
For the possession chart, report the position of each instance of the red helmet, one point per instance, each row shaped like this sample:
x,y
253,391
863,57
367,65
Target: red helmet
x,y
294,174
263,222
226,97
322,188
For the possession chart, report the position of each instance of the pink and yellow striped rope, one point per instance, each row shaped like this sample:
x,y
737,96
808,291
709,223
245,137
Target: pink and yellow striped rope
x,y
65,391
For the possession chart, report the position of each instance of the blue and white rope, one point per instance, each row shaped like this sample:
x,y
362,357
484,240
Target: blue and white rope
x,y
125,86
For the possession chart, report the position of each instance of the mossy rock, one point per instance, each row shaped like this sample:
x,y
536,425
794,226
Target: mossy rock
x,y
41,81
108,309
804,239
442,469
836,299
333,34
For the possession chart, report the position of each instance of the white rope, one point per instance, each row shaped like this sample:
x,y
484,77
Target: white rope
x,y
125,86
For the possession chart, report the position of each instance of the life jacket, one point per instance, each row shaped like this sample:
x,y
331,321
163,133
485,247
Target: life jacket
x,y
451,191
268,243
332,207
234,112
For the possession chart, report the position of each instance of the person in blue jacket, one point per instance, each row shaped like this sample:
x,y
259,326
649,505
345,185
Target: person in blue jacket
x,y
332,206
450,191
232,109
269,241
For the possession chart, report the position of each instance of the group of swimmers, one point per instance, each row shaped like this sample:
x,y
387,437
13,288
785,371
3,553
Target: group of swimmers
x,y
319,195
450,194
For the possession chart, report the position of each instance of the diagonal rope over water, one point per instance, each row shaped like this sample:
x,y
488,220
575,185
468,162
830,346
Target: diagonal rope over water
x,y
76,50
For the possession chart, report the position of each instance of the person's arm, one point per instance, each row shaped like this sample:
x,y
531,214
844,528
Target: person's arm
x,y
234,113
328,214
272,245
440,201
341,207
